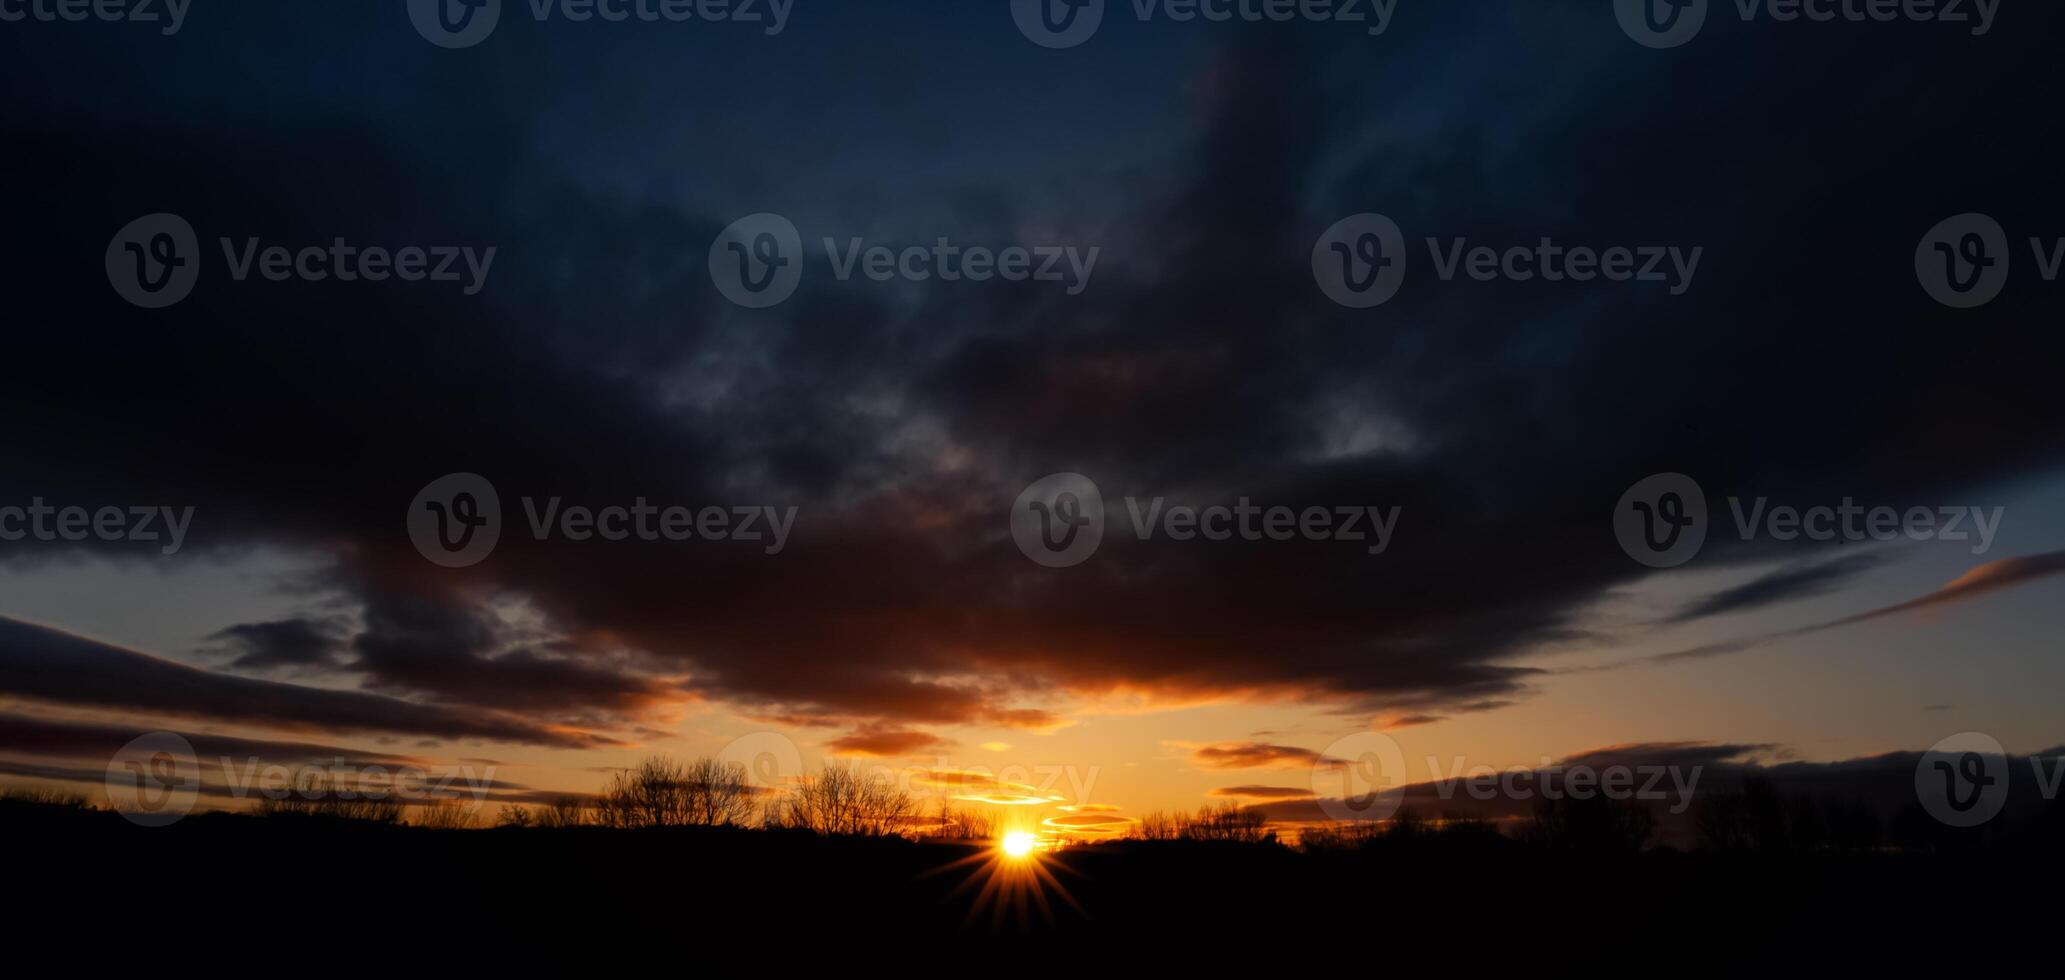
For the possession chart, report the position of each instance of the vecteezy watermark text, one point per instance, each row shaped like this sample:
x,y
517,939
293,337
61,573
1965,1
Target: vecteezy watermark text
x,y
344,262
757,262
1360,262
1058,521
1671,23
156,779
465,23
1067,23
170,13
456,521
154,262
1362,777
1662,521
47,523
1579,781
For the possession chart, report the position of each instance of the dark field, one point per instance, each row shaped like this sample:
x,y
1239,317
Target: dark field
x,y
315,878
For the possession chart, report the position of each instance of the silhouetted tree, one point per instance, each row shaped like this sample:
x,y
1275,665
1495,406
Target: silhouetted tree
x,y
1758,818
663,793
717,794
1405,824
1350,835
1595,825
843,800
963,823
1159,825
562,811
444,815
1229,822
43,797
321,799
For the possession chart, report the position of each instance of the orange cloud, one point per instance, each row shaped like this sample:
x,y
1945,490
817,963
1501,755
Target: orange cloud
x,y
1090,823
973,786
1990,577
1410,721
881,742
1253,755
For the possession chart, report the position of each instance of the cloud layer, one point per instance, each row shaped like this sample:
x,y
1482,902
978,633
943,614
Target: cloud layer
x,y
601,365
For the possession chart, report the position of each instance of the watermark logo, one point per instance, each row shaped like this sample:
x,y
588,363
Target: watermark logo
x,y
157,779
1058,522
770,760
1067,23
1661,23
1962,780
1670,23
757,262
154,261
465,23
1662,521
1058,23
455,23
154,780
456,521
1360,261
1963,261
1358,778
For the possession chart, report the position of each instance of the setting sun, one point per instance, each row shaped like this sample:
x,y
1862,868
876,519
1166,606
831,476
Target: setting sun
x,y
1018,844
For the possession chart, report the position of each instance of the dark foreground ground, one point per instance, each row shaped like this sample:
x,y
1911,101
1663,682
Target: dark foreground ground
x,y
224,885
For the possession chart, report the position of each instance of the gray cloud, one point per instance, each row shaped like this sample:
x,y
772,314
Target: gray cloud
x,y
52,666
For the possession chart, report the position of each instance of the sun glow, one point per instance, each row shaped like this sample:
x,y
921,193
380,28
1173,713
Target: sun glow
x,y
1013,877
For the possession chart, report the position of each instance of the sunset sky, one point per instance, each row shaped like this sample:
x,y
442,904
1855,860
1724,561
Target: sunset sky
x,y
1504,626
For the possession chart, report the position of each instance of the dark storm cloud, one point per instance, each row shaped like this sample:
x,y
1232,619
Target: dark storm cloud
x,y
54,667
1668,754
300,642
600,365
231,768
62,739
454,652
1677,782
1512,795
1263,792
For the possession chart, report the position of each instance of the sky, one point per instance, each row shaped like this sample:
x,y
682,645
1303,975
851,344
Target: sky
x,y
901,623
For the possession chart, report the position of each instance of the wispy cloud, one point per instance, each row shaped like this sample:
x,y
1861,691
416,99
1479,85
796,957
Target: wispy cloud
x,y
1262,792
48,665
1984,580
1252,755
883,742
